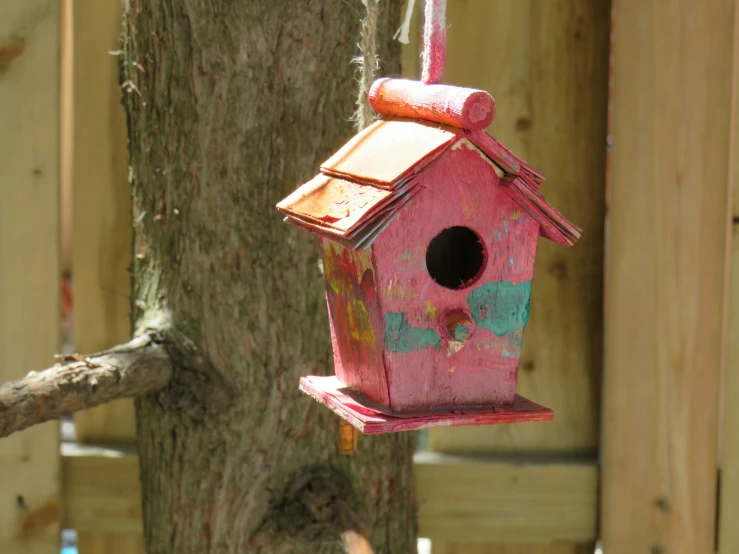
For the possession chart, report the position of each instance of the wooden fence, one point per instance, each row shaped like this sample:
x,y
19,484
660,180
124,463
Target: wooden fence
x,y
631,337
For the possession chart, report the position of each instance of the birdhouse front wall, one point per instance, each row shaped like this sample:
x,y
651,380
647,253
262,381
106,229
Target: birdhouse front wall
x,y
455,345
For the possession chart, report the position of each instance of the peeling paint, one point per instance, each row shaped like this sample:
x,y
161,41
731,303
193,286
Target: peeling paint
x,y
401,336
453,347
399,292
467,145
501,307
360,324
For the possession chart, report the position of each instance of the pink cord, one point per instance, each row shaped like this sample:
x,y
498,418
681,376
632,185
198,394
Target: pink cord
x,y
434,42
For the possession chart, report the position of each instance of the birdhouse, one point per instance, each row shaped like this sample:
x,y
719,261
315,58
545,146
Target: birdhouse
x,y
428,228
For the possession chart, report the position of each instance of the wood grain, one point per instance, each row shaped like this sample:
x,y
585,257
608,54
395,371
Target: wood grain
x,y
728,538
665,273
508,502
443,547
101,492
445,104
545,63
102,498
372,419
101,251
30,507
551,113
728,534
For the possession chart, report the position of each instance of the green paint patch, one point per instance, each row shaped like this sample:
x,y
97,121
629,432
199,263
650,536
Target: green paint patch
x,y
460,333
501,307
401,336
516,339
406,255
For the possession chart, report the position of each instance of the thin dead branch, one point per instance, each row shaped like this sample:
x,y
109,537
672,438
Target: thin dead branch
x,y
80,382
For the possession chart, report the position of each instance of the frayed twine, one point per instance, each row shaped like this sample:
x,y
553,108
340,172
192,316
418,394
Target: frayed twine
x,y
368,65
402,34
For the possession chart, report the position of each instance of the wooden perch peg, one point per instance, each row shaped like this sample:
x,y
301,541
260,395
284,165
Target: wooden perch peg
x,y
455,106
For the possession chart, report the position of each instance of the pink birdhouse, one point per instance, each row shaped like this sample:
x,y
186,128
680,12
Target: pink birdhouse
x,y
428,228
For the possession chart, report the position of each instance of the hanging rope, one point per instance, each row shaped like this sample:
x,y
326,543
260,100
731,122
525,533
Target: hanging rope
x,y
434,42
434,51
368,65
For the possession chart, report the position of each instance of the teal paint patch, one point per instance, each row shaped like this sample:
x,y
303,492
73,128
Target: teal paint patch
x,y
461,333
516,339
401,336
501,307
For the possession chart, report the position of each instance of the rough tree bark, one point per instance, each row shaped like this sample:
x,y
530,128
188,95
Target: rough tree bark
x,y
231,105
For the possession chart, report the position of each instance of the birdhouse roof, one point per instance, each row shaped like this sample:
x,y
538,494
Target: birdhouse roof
x,y
363,186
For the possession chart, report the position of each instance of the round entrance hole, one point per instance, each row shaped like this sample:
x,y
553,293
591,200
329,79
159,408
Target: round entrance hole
x,y
455,257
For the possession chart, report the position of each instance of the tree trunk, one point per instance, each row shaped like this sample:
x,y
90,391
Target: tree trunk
x,y
231,105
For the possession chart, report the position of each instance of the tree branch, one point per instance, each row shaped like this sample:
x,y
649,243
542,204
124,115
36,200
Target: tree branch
x,y
79,382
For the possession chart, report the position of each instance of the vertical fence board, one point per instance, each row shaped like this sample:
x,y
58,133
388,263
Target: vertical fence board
x,y
29,262
668,175
728,536
102,227
729,494
546,64
102,205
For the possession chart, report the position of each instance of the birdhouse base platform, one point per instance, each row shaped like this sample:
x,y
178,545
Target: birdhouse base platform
x,y
372,419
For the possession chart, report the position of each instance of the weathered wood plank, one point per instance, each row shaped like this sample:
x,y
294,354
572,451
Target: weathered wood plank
x,y
552,114
728,538
507,502
30,509
440,547
672,73
477,500
102,206
728,534
101,490
102,243
545,63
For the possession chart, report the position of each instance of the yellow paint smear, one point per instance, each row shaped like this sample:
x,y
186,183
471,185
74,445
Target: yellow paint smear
x,y
360,324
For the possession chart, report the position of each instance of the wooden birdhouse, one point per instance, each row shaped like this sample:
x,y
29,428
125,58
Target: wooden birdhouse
x,y
429,229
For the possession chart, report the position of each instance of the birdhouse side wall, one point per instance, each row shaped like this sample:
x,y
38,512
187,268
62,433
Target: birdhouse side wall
x,y
426,367
356,320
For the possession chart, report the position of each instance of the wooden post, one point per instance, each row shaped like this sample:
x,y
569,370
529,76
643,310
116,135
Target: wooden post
x,y
545,63
30,509
668,175
101,250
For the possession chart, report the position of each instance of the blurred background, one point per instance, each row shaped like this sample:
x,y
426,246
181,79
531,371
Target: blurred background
x,y
629,108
